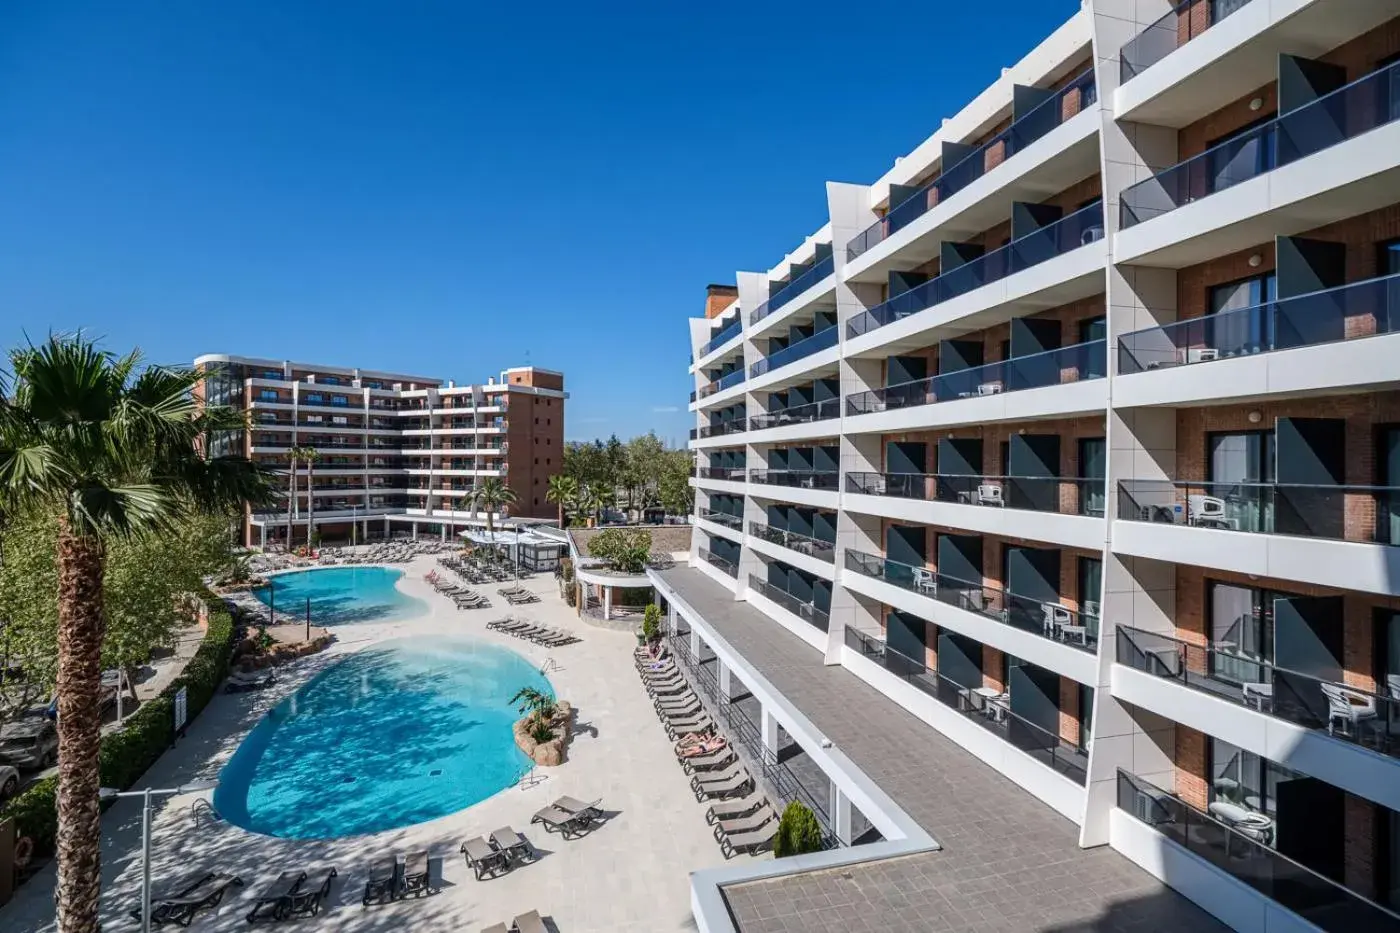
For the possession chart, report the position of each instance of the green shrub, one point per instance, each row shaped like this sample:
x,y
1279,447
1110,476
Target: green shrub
x,y
798,831
651,622
124,756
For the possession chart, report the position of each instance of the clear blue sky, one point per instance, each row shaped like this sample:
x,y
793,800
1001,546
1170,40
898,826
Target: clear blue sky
x,y
444,187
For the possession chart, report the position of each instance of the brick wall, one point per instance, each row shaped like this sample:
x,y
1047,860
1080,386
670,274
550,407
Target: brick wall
x,y
719,297
991,669
1192,784
535,434
1196,138
1070,716
1359,818
1361,55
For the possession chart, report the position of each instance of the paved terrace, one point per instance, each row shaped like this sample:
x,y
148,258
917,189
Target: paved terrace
x,y
1008,862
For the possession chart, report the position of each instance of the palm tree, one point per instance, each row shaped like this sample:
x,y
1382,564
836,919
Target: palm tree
x,y
309,456
563,491
593,500
292,453
488,495
112,451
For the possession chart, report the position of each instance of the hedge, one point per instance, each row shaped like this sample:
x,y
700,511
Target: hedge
x,y
125,756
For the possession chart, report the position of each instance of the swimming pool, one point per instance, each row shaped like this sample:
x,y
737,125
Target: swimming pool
x,y
341,594
406,731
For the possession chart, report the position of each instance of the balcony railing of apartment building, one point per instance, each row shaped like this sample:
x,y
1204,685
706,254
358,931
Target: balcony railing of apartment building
x,y
1341,513
1343,114
735,522
804,610
799,479
1076,363
821,340
726,334
1048,620
1065,235
1244,855
732,474
1066,495
733,426
797,414
802,544
723,382
1347,713
306,402
1180,25
791,290
714,560
991,713
1015,138
1348,312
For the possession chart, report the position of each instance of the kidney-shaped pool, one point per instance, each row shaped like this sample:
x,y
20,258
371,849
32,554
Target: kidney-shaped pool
x,y
403,732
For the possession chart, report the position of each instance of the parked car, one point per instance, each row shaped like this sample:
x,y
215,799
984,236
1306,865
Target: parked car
x,y
9,781
30,742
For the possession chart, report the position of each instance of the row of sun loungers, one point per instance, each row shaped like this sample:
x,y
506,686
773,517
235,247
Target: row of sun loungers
x,y
743,821
569,816
293,894
464,597
545,635
524,923
518,595
392,880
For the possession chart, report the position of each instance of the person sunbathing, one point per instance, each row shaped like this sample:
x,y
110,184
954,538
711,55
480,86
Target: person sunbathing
x,y
705,747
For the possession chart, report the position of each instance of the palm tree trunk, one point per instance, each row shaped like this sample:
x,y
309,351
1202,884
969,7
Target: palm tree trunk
x,y
310,502
291,496
79,727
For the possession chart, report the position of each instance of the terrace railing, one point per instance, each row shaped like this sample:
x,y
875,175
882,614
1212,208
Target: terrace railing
x,y
821,340
1065,495
797,414
791,290
1180,25
802,544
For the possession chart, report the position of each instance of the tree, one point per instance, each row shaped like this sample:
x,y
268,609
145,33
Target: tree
x,y
540,705
626,549
645,455
112,449
487,496
798,831
309,456
563,492
292,454
593,500
677,496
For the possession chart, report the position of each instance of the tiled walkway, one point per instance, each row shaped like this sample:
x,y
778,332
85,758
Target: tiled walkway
x,y
1009,863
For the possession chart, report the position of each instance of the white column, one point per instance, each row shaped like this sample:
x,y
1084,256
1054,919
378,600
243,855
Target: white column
x,y
415,531
444,532
262,529
695,643
607,603
769,726
840,809
671,618
724,681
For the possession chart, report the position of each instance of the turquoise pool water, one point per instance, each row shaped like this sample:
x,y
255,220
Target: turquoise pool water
x,y
341,594
403,732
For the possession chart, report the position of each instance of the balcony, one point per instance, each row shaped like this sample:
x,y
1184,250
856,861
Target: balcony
x,y
726,334
714,560
1347,714
797,414
1182,24
991,713
1346,113
791,290
802,544
727,381
735,426
805,611
1015,139
1069,233
1079,363
732,522
1246,857
797,479
821,340
1049,621
728,474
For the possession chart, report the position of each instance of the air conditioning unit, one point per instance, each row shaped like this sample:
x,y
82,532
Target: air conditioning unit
x,y
1202,355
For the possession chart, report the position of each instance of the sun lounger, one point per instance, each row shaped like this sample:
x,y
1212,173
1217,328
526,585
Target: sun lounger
x,y
497,623
481,858
382,884
717,776
729,785
710,762
239,682
497,928
312,893
511,626
511,844
567,823
681,711
733,809
415,875
750,841
574,805
275,899
198,892
529,923
727,830
677,727
708,745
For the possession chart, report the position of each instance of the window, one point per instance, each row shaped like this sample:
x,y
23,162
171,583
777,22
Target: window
x,y
1240,464
1241,321
1388,258
340,400
1244,778
537,501
1090,583
313,399
1240,622
1093,460
267,395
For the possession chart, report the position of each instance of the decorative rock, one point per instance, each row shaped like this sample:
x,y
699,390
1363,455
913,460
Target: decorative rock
x,y
547,754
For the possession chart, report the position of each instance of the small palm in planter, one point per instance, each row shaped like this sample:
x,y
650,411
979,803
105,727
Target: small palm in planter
x,y
798,831
651,624
538,704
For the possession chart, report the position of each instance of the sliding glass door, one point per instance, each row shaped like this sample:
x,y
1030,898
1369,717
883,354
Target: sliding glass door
x,y
1241,472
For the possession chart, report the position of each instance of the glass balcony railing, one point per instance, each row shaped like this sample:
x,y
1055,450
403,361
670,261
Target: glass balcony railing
x,y
1343,114
1080,94
727,381
799,479
735,522
714,560
1065,235
804,610
791,290
732,426
1048,620
731,474
1347,713
1065,495
1349,312
694,432
1183,23
1369,514
991,713
726,334
821,340
797,414
1248,857
802,544
1076,363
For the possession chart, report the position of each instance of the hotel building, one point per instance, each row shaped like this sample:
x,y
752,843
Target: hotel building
x,y
1075,438
395,453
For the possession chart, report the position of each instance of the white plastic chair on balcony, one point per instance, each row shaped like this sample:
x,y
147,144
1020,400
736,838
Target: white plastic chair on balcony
x,y
989,388
1349,707
924,582
989,494
1209,511
1056,617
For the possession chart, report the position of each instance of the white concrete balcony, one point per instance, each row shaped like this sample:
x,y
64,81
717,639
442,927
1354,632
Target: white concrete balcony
x,y
720,347
718,524
796,423
723,434
732,482
813,290
817,488
809,358
804,552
